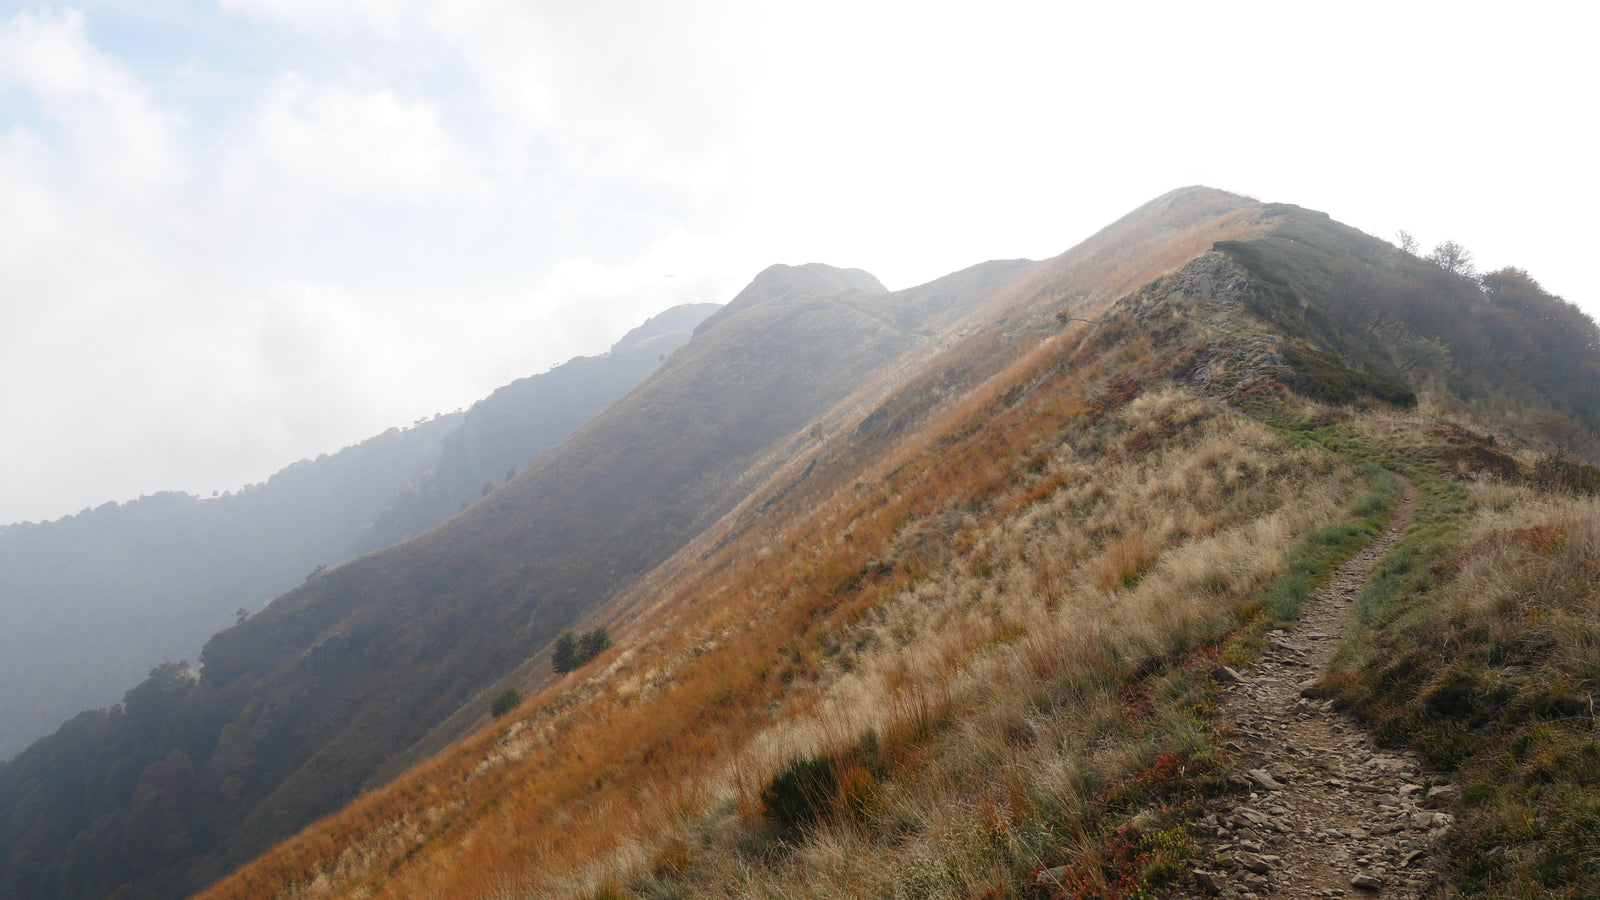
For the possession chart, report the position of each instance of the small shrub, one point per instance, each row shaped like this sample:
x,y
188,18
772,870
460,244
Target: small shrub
x,y
836,786
798,795
573,650
1323,377
1559,474
509,699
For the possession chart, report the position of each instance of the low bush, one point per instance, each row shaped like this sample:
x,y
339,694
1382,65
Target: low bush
x,y
509,699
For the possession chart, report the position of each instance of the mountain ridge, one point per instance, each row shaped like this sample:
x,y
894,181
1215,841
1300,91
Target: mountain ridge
x,y
892,545
1100,381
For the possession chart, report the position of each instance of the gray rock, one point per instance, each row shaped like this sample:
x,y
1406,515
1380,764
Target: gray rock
x,y
1265,779
1390,764
1227,675
1050,878
1441,796
1210,882
1366,882
1252,862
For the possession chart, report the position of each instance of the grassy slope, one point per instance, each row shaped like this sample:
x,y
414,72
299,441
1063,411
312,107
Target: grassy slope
x,y
437,620
1476,645
303,704
974,646
921,643
737,570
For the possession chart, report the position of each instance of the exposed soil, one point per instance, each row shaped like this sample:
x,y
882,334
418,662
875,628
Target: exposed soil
x,y
1327,814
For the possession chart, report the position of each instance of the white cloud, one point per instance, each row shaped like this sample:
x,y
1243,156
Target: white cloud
x,y
322,16
641,92
593,304
110,129
317,218
333,140
91,172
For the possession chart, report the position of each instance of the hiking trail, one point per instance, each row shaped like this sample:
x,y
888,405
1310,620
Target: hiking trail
x,y
1328,814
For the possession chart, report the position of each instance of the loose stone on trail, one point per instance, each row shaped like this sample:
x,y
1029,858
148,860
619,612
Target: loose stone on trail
x,y
1317,810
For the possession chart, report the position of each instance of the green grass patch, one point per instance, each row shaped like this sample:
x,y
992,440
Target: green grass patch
x,y
1316,558
1496,690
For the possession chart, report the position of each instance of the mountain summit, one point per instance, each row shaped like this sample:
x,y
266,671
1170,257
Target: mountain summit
x,y
778,283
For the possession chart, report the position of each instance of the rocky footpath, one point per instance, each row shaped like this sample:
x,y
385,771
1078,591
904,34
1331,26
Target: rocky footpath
x,y
1320,811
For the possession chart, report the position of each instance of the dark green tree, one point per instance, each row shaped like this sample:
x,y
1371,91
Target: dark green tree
x,y
564,655
509,699
573,650
592,644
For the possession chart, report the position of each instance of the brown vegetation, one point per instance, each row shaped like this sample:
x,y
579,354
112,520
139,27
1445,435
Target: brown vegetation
x,y
958,638
987,560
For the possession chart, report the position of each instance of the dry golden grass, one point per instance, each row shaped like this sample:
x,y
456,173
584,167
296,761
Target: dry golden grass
x,y
1009,582
1019,676
1478,646
1009,544
974,644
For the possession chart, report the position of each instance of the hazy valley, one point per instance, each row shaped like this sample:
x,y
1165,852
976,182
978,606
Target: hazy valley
x,y
93,601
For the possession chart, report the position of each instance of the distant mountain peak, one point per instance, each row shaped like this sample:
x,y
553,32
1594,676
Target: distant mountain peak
x,y
821,275
678,319
780,282
1185,206
1192,192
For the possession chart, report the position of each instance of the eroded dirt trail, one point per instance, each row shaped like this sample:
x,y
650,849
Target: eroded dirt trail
x,y
1327,813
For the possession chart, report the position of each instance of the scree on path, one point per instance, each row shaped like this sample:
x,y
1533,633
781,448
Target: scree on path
x,y
1327,814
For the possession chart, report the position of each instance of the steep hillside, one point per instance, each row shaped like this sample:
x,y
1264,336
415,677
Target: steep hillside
x,y
960,644
507,430
1357,313
94,601
460,607
912,593
298,706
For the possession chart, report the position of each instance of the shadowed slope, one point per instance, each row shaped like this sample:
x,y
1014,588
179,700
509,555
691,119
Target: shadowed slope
x,y
91,602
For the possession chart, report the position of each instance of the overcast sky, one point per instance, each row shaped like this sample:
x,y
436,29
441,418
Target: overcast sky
x,y
238,233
